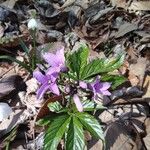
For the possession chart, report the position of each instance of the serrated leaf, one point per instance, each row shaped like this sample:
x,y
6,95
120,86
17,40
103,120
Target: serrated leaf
x,y
101,66
55,106
56,131
46,120
75,135
89,105
78,60
91,125
116,80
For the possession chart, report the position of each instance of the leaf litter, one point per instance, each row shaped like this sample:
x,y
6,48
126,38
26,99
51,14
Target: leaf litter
x,y
109,27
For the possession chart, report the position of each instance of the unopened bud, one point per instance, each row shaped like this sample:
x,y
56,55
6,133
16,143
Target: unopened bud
x,y
32,24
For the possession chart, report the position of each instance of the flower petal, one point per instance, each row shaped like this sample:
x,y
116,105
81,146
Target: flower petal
x,y
105,86
51,59
83,85
42,90
60,55
77,102
39,76
106,92
52,73
54,89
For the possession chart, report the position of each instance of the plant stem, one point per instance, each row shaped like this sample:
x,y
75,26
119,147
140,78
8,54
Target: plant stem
x,y
33,55
7,146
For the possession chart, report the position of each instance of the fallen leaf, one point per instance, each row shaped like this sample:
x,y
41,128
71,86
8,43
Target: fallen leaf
x,y
133,79
146,87
126,28
1,31
140,5
9,3
138,69
5,111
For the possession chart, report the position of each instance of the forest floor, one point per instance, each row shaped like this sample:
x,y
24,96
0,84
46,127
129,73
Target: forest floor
x,y
108,27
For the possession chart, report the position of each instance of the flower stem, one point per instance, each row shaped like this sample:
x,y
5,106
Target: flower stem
x,y
33,55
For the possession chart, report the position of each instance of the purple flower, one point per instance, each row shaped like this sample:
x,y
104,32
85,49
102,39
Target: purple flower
x,y
47,81
98,87
56,60
78,102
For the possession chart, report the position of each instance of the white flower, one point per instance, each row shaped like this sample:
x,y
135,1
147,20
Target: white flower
x,y
32,24
5,111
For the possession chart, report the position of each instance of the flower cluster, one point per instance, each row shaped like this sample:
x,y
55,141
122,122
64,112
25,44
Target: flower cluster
x,y
48,80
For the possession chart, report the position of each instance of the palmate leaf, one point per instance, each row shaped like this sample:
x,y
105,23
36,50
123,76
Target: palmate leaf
x,y
75,135
101,66
91,125
55,106
56,131
78,60
46,120
116,80
89,105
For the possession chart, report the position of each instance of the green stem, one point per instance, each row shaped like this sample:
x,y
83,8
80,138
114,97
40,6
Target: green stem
x,y
33,55
7,146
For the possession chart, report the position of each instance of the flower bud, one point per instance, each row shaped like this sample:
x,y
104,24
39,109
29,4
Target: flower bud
x,y
32,24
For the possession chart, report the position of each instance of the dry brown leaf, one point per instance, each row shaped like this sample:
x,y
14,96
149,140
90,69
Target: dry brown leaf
x,y
67,3
44,109
118,137
146,87
138,69
9,3
1,31
147,138
140,5
119,3
133,79
126,28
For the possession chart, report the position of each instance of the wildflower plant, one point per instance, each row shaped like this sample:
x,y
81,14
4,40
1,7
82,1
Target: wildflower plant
x,y
32,61
81,84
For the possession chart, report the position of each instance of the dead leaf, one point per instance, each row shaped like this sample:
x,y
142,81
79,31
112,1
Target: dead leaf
x,y
119,3
126,28
138,69
67,4
146,87
133,79
147,138
121,136
9,3
10,84
1,31
44,110
140,5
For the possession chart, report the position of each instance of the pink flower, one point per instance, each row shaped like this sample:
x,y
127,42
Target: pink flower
x,y
98,87
78,102
47,81
56,60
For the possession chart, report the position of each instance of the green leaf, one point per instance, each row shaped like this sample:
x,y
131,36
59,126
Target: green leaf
x,y
78,60
101,66
91,125
75,135
55,106
24,47
46,120
116,80
17,61
89,105
56,131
